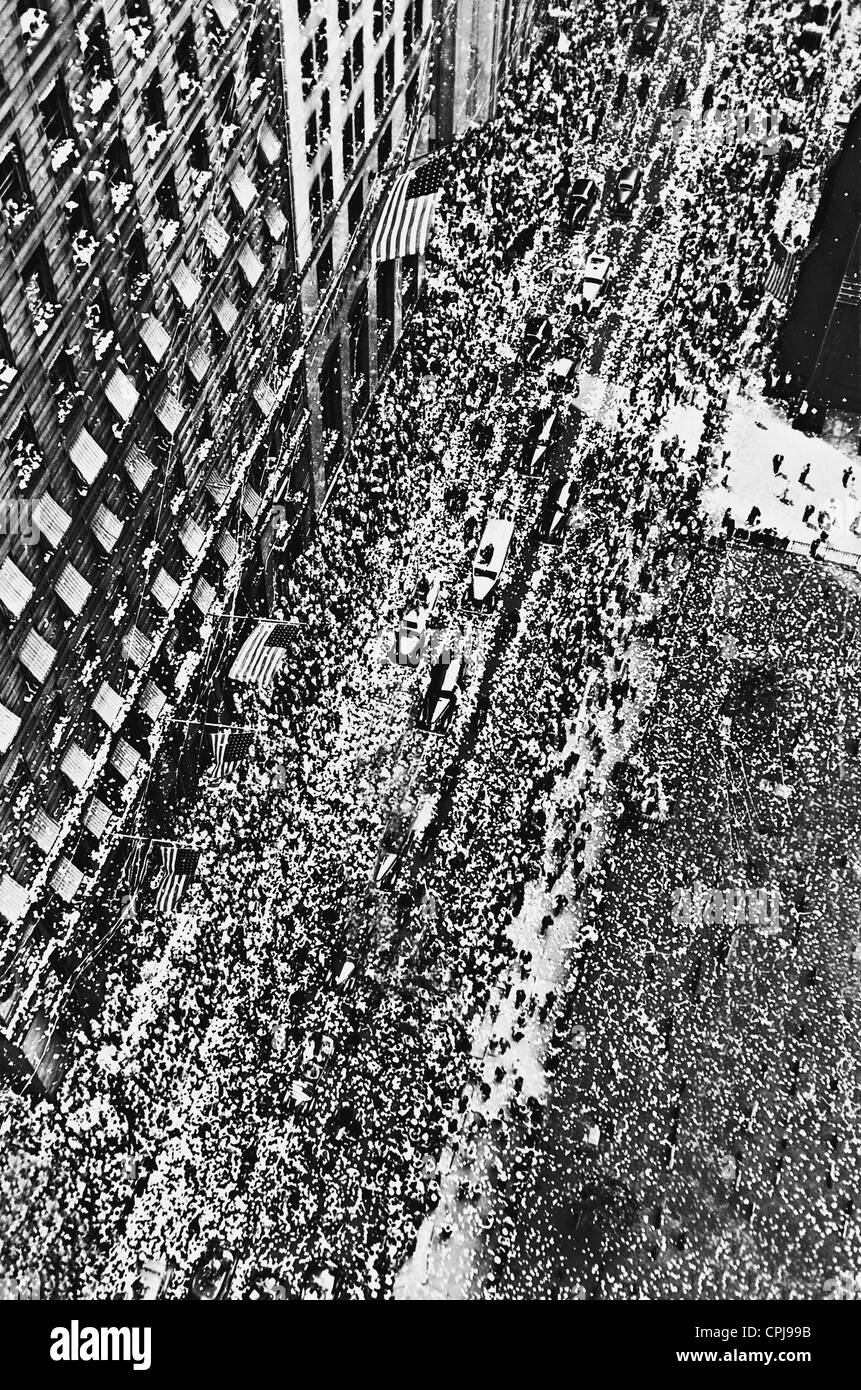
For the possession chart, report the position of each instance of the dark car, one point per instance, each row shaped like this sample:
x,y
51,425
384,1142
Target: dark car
x,y
211,1279
555,510
541,442
648,31
579,204
536,339
440,698
396,841
626,187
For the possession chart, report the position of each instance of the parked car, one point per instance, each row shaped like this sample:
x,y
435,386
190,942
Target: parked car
x,y
627,187
211,1279
490,557
593,284
541,442
579,205
409,638
648,31
397,840
440,698
555,510
536,339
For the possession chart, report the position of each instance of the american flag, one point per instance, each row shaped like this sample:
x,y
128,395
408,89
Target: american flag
x,y
178,867
262,653
780,275
229,747
405,222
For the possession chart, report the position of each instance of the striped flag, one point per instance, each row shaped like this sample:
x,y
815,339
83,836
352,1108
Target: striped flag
x,y
262,653
178,867
850,289
405,222
783,262
229,747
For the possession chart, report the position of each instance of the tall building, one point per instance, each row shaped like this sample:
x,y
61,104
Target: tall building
x,y
191,327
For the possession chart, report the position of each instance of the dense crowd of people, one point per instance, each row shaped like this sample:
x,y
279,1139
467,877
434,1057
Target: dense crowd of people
x,y
276,1068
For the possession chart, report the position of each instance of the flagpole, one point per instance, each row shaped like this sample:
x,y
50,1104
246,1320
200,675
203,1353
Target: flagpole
x,y
232,728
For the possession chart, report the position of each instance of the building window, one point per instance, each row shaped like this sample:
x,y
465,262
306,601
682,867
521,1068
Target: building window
x,y
324,267
390,65
358,54
255,63
359,349
344,13
139,29
8,370
155,121
57,124
304,10
198,160
385,147
379,88
312,142
14,193
168,209
186,59
355,208
227,98
325,115
359,124
96,52
379,18
100,321
408,26
347,152
321,49
24,455
39,292
326,184
309,76
119,171
79,219
64,384
315,207
136,266
412,93
34,23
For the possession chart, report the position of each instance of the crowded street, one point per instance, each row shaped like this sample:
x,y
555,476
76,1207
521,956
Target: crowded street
x,y
427,1021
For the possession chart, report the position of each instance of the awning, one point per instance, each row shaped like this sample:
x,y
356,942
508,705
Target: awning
x,y
218,487
152,701
106,527
155,338
264,396
52,521
97,818
199,363
227,548
43,830
122,394
251,502
13,899
72,588
77,766
165,590
270,145
215,236
274,219
108,705
225,312
124,758
139,468
186,284
169,412
249,264
88,457
37,655
9,726
66,879
227,13
242,188
192,537
136,647
15,588
203,596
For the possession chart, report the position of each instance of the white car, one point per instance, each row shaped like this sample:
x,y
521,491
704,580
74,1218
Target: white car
x,y
593,285
490,557
409,638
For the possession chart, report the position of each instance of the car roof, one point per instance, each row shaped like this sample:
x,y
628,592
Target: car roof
x,y
498,530
628,170
597,261
582,185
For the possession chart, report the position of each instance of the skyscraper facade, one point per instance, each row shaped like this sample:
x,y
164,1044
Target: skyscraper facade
x,y
191,327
